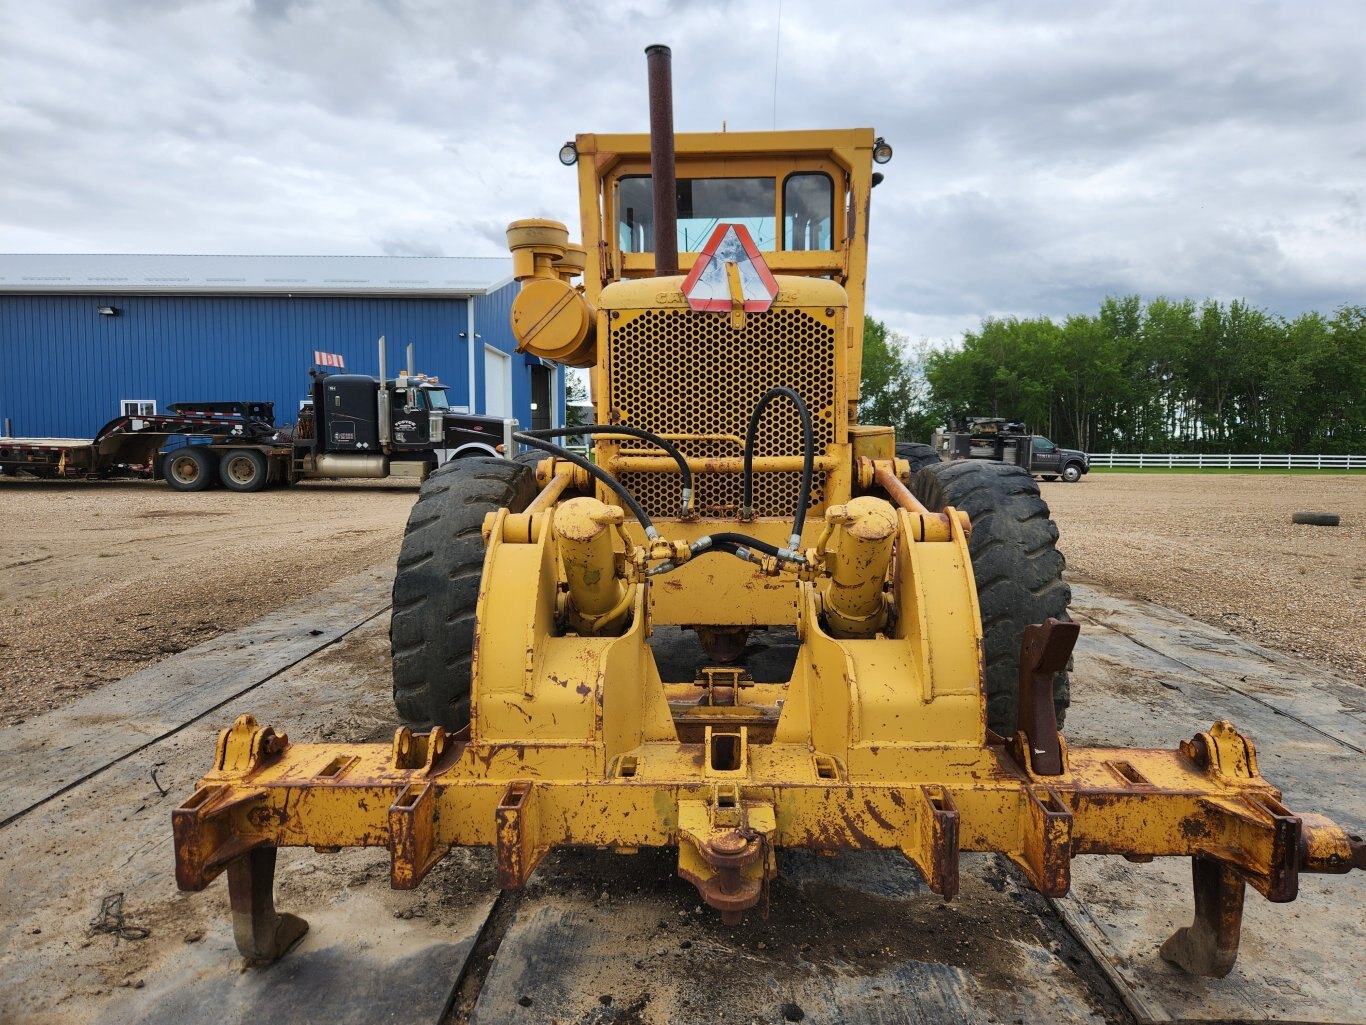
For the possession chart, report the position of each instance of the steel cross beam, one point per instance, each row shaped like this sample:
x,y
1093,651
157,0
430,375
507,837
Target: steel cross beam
x,y
427,792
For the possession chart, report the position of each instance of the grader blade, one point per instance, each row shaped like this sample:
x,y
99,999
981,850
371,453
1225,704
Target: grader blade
x,y
730,490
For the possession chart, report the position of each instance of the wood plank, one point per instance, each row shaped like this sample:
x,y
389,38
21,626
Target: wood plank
x,y
371,954
49,753
1149,677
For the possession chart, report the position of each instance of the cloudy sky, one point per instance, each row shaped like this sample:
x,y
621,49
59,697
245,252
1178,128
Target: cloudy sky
x,y
1047,154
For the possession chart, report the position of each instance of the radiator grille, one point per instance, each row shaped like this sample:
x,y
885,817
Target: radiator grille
x,y
677,372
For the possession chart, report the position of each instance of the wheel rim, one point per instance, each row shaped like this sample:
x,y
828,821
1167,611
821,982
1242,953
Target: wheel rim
x,y
1071,474
185,469
241,470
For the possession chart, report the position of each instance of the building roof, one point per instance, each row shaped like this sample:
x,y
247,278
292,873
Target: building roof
x,y
139,274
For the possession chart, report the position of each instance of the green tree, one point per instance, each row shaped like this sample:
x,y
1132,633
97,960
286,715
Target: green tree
x,y
892,389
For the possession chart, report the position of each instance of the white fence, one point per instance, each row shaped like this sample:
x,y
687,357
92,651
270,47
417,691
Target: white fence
x,y
1252,461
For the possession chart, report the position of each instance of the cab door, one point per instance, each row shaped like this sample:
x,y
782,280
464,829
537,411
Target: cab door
x,y
1044,455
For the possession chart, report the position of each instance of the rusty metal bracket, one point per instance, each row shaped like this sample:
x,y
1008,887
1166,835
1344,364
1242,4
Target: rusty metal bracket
x,y
1047,854
516,828
246,745
936,856
419,750
205,839
1223,752
1043,654
412,848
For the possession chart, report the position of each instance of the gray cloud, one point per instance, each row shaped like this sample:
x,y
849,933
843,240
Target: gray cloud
x,y
1046,154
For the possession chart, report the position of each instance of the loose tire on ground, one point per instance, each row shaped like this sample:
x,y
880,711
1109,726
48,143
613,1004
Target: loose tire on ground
x,y
243,469
1316,519
1016,563
918,455
189,469
1071,473
431,632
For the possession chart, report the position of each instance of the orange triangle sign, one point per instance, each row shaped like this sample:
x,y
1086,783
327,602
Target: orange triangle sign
x,y
707,285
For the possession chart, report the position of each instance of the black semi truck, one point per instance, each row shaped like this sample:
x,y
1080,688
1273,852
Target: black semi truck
x,y
352,425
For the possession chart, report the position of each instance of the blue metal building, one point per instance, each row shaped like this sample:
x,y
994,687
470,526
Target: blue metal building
x,y
82,336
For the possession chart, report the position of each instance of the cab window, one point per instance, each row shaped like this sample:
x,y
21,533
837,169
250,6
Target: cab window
x,y
1043,445
808,211
703,203
436,398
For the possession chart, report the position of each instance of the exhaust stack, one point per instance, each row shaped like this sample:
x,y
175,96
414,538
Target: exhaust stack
x,y
659,61
382,401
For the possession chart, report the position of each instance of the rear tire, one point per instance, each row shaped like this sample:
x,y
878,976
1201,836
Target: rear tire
x,y
918,455
1016,563
1050,477
243,469
190,468
436,588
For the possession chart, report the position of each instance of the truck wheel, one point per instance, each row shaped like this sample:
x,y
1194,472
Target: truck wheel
x,y
1050,477
1071,473
431,632
918,455
1016,563
188,469
243,469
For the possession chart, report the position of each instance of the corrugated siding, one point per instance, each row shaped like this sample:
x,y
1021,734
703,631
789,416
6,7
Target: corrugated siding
x,y
64,368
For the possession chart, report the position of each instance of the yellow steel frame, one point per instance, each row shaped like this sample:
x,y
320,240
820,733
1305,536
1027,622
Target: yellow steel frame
x,y
879,743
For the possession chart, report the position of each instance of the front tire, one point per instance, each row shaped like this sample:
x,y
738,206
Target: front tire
x,y
1017,566
1071,473
243,469
436,588
190,468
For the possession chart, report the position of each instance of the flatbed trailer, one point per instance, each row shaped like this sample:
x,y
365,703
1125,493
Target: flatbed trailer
x,y
134,446
351,426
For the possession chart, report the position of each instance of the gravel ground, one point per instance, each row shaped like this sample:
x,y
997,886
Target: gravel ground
x,y
99,580
1221,548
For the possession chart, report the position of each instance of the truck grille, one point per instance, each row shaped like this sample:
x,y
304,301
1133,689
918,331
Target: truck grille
x,y
678,372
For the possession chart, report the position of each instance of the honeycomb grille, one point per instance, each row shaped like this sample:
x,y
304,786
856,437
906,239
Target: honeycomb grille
x,y
678,372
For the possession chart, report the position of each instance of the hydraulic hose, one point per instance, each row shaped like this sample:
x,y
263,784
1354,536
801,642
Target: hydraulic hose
x,y
627,499
630,432
808,458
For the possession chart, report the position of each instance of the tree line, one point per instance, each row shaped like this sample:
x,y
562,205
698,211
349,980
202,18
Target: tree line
x,y
1165,376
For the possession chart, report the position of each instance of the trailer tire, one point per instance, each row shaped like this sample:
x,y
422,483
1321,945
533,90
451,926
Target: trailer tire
x,y
917,454
243,469
1017,566
189,468
1071,473
436,588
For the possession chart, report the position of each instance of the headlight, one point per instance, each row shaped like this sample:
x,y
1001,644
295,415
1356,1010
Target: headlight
x,y
882,152
569,156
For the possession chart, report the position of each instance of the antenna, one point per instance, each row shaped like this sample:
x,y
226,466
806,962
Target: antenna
x,y
777,43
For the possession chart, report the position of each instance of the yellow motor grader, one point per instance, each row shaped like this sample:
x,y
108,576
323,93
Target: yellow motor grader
x,y
730,489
